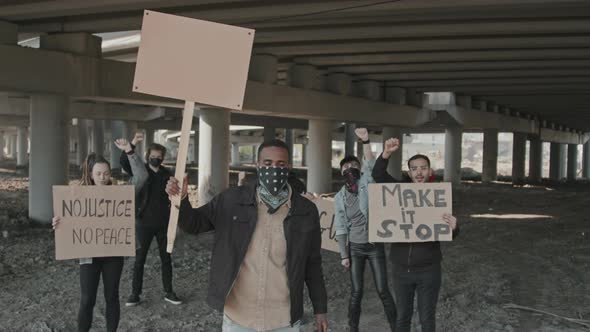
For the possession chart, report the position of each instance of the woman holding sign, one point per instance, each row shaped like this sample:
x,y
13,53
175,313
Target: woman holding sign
x,y
351,222
97,171
416,265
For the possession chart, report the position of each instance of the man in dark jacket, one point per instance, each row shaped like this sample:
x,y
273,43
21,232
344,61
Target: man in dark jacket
x,y
152,215
267,246
416,266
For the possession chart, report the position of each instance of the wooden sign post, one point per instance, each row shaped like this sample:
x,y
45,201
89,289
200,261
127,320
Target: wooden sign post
x,y
409,212
195,61
96,221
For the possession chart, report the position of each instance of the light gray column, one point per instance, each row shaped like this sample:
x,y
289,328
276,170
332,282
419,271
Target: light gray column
x,y
195,147
563,157
490,155
586,161
214,148
557,161
270,133
2,142
82,138
319,174
12,141
49,153
98,137
350,139
304,152
394,167
254,154
22,146
149,136
235,154
535,160
518,158
290,141
453,141
572,161
118,130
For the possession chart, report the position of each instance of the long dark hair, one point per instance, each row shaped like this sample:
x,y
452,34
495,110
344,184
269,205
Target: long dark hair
x,y
89,163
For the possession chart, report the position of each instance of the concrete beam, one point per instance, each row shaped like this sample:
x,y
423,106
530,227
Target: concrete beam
x,y
563,137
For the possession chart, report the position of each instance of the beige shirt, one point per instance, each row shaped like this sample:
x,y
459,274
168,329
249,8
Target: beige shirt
x,y
259,298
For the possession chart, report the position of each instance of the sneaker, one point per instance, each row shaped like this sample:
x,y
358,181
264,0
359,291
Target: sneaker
x,y
172,298
132,301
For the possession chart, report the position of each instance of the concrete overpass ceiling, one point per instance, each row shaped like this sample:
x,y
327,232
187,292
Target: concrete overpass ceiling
x,y
532,56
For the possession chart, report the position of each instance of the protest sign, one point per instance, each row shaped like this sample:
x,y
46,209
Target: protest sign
x,y
326,211
96,221
195,61
409,212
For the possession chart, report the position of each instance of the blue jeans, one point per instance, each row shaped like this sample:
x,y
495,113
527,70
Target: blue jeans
x,y
231,326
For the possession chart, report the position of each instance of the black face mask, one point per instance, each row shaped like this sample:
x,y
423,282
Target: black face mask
x,y
156,162
274,179
351,179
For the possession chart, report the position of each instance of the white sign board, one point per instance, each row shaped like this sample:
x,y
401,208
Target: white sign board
x,y
409,212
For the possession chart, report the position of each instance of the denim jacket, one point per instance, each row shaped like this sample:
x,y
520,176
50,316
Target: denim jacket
x,y
341,222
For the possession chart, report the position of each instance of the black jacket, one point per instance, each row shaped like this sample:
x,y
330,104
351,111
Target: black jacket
x,y
154,188
416,256
233,215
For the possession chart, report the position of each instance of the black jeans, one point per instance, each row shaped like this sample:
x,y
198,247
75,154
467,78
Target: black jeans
x,y
375,255
143,239
427,284
111,269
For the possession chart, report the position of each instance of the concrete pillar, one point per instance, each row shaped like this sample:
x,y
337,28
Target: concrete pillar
x,y
572,162
22,146
290,141
270,133
563,157
149,136
2,155
557,161
213,153
350,139
518,158
453,141
235,154
535,160
254,154
490,155
48,164
12,140
304,153
195,147
586,161
118,130
319,174
98,137
394,167
82,138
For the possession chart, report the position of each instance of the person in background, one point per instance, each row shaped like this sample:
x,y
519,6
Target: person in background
x,y
96,171
351,222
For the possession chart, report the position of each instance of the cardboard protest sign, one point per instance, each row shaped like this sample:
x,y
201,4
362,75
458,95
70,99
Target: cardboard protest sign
x,y
196,61
193,60
409,212
326,210
96,221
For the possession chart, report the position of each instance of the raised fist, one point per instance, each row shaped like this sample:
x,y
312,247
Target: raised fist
x,y
362,133
389,147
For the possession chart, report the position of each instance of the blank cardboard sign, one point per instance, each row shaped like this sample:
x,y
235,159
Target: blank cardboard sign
x,y
96,221
193,60
409,212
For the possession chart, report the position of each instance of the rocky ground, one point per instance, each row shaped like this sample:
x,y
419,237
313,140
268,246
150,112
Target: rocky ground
x,y
528,246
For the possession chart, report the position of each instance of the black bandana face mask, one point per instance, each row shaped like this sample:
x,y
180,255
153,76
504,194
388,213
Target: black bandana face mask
x,y
351,179
272,178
